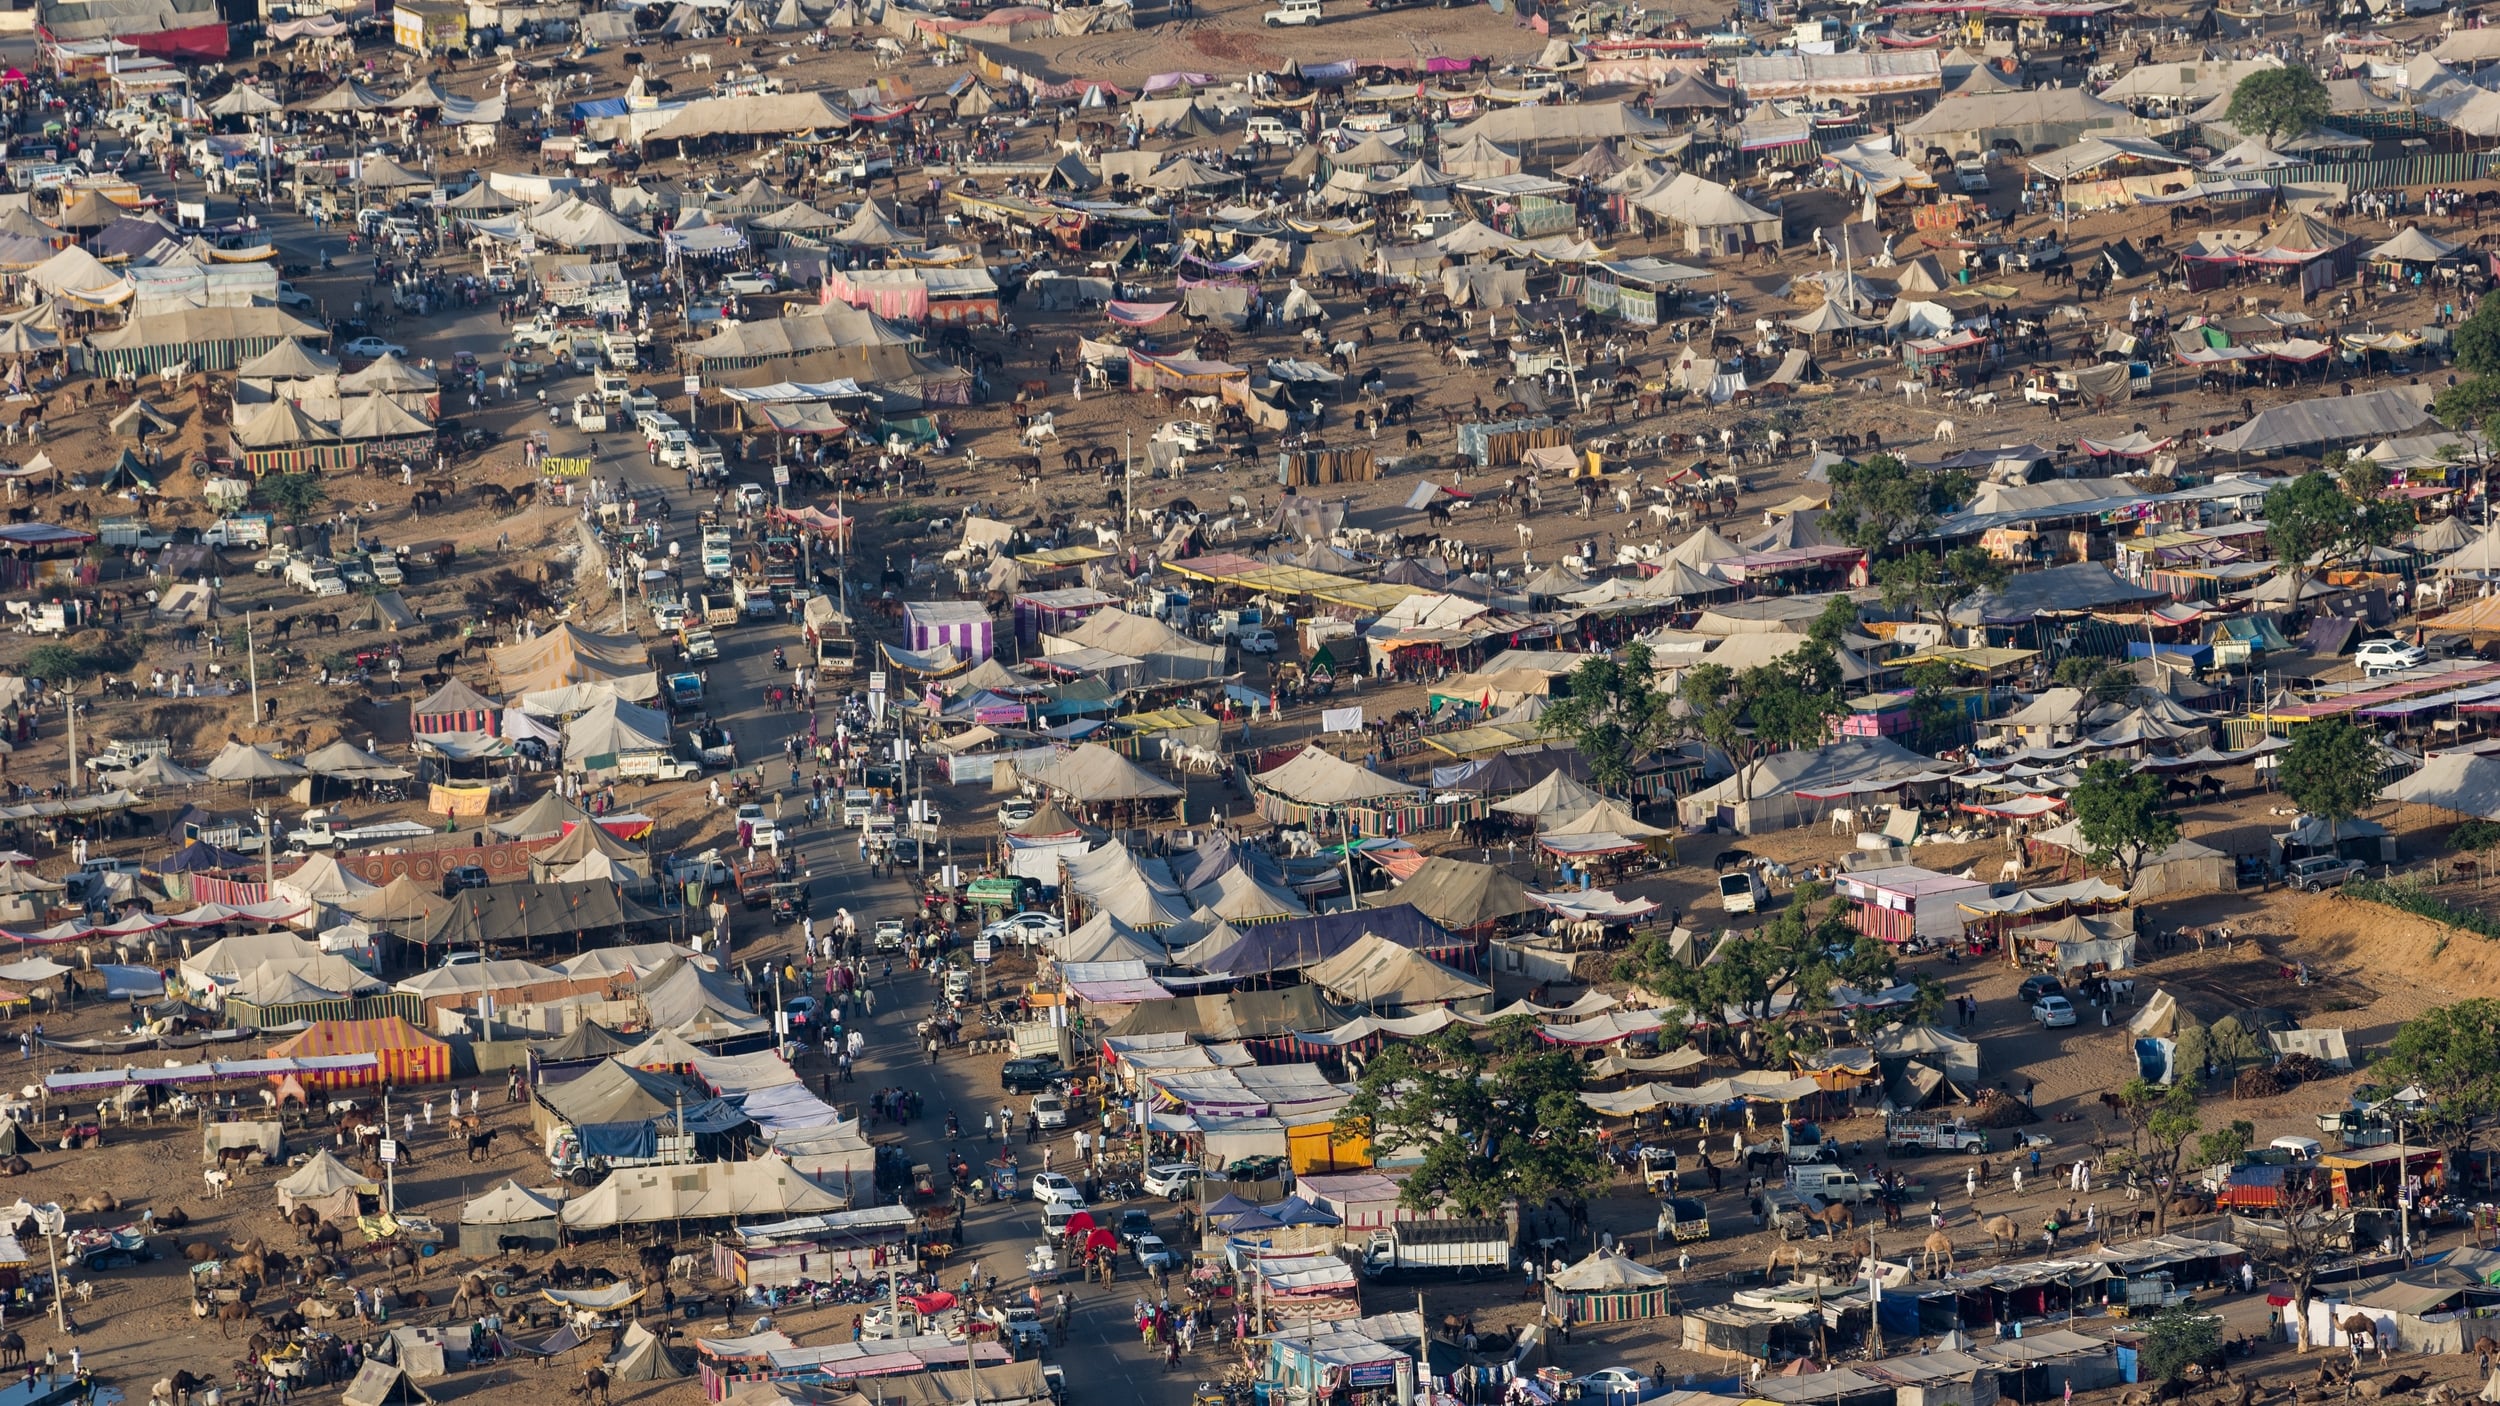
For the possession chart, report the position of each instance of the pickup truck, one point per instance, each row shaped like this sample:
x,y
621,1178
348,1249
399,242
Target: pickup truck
x,y
656,767
315,576
719,609
719,554
1913,1132
131,532
123,753
1463,1247
623,353
239,530
1833,1184
684,691
1683,1218
610,386
590,416
755,601
698,643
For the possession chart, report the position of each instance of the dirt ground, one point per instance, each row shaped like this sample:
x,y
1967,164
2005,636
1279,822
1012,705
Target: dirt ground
x,y
2387,966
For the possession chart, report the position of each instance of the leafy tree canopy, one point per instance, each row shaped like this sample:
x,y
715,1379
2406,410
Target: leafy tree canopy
x,y
2119,814
2332,768
2176,1339
1884,500
1616,715
2452,1053
2279,102
2476,340
294,497
1485,1133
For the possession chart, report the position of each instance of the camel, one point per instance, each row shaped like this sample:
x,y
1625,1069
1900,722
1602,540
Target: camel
x,y
1836,1217
2004,1232
1939,1246
1795,1257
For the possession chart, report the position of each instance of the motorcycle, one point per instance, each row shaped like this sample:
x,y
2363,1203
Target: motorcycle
x,y
780,660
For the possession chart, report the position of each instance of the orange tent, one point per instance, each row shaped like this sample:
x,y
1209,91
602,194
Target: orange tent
x,y
408,1055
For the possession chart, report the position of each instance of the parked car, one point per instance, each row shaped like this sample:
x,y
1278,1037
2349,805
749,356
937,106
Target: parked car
x,y
1050,1111
1257,642
372,348
1016,811
1032,1074
1262,1168
1170,1180
1055,1186
2388,655
2053,1012
1153,1254
466,876
1608,1383
751,282
2323,871
1025,928
1133,1224
2035,987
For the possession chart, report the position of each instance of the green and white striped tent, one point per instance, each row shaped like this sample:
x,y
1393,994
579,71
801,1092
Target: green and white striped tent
x,y
208,339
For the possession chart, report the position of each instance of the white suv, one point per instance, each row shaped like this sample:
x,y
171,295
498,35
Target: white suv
x,y
1055,1186
2388,656
1171,1180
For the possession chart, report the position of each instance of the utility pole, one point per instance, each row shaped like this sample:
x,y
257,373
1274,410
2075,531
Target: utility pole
x,y
251,665
69,695
1128,479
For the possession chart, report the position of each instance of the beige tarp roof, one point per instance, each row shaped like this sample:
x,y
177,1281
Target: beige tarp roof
x,y
1603,1271
402,900
836,328
644,1195
321,880
379,417
1579,122
1092,774
182,327
1557,796
569,654
282,424
1317,777
1457,893
242,761
73,272
1607,817
509,1204
775,114
387,373
289,360
1378,972
325,1175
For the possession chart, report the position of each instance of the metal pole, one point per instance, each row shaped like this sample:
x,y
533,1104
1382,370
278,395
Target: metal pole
x,y
1128,479
52,1250
2404,1216
251,664
69,693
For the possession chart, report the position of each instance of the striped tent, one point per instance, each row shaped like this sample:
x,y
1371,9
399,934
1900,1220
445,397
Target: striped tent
x,y
407,1055
1608,1288
454,708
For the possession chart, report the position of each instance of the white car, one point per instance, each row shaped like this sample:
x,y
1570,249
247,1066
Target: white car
x,y
766,834
1193,436
1015,812
750,497
1025,928
2387,656
1055,1186
1257,641
1610,1382
1170,1180
1050,1111
2053,1012
373,348
290,296
751,283
1153,1254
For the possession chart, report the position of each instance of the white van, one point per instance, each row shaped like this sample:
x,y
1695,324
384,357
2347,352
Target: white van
x,y
2303,1149
1295,12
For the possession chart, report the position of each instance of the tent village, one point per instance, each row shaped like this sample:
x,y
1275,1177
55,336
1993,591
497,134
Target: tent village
x,y
833,701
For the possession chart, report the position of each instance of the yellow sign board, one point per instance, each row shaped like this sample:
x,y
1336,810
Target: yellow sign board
x,y
565,468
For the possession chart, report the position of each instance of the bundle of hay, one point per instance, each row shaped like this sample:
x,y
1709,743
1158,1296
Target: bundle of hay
x,y
1995,1108
2261,1083
2302,1068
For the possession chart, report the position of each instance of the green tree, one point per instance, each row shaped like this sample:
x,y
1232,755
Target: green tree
x,y
2226,1146
2452,1054
2312,521
2176,1339
1935,714
2476,341
1616,715
1927,583
1485,1133
1884,500
1791,954
2159,1123
59,664
2279,102
2118,812
1715,709
295,497
2332,769
2104,680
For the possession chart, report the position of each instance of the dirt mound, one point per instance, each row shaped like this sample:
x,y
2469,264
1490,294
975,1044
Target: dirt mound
x,y
2445,964
1997,1109
2261,1083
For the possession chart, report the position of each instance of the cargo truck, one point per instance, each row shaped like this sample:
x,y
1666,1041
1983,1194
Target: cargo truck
x,y
1906,1133
1462,1247
719,561
830,635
